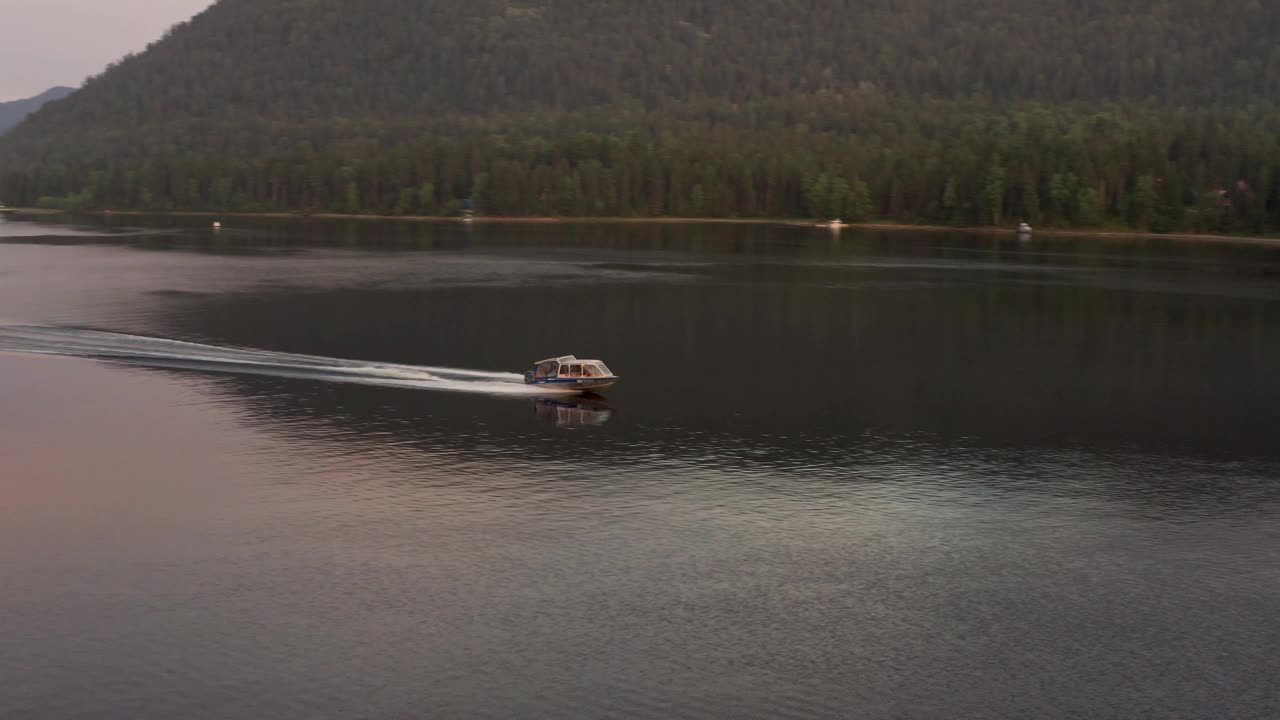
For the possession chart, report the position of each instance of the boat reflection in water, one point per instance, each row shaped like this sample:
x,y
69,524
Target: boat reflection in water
x,y
581,411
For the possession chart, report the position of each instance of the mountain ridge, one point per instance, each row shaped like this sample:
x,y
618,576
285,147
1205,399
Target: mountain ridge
x,y
14,112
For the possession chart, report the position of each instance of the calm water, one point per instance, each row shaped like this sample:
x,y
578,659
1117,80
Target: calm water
x,y
282,471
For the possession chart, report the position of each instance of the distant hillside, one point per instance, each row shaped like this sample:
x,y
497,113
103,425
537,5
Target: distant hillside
x,y
302,59
12,113
1157,113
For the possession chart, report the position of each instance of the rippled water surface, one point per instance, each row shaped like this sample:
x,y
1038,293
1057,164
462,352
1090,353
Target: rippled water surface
x,y
288,470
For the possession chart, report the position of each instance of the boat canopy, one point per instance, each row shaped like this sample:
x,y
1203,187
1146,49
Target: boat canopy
x,y
571,367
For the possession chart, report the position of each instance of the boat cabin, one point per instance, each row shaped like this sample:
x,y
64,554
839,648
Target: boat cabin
x,y
570,367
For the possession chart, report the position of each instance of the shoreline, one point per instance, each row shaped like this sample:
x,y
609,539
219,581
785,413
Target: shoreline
x,y
786,222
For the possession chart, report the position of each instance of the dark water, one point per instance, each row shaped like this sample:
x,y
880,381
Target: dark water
x,y
881,476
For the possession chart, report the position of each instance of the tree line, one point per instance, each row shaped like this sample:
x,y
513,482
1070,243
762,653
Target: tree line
x,y
959,163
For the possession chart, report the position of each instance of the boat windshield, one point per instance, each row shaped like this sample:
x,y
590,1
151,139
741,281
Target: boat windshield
x,y
568,370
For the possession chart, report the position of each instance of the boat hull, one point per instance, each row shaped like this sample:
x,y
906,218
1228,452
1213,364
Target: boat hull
x,y
571,385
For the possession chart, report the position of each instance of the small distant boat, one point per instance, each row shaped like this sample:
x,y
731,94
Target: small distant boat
x,y
571,374
1024,230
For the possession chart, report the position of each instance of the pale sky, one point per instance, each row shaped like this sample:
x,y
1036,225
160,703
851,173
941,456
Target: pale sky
x,y
44,43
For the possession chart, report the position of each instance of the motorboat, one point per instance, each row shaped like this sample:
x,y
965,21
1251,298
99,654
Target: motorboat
x,y
1024,230
570,374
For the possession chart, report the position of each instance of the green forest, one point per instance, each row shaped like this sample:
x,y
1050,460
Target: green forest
x,y
1159,115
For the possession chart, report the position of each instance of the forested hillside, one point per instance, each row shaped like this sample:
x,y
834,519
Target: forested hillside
x,y
1154,113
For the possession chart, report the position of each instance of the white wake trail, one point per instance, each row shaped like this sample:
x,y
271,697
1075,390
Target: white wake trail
x,y
165,353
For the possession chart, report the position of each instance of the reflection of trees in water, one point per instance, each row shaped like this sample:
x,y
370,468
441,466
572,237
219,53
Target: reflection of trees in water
x,y
464,439
1005,361
741,241
773,363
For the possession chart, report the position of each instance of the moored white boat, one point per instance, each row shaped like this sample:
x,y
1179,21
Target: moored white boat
x,y
569,374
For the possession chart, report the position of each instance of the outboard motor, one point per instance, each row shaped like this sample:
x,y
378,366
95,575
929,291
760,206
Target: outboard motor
x,y
528,377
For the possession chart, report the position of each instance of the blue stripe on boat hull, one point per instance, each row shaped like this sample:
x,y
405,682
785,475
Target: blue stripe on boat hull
x,y
582,384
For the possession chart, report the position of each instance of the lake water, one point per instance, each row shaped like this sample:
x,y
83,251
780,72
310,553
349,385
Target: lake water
x,y
283,471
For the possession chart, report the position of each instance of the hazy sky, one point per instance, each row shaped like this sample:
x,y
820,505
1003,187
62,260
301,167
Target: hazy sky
x,y
44,43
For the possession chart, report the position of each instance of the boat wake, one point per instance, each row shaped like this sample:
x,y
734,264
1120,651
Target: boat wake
x,y
175,354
